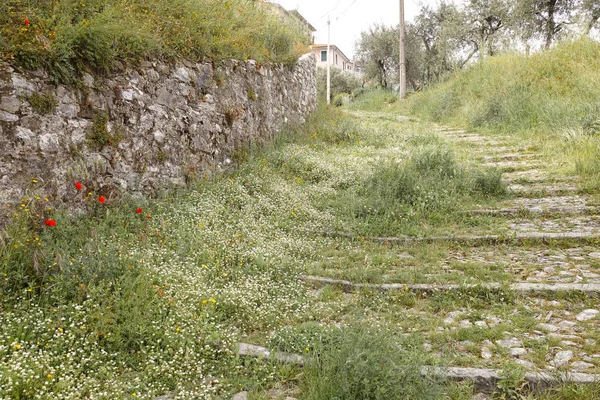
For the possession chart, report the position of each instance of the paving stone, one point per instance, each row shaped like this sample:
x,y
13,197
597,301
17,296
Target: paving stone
x,y
510,343
561,358
465,323
240,396
525,363
567,324
586,315
486,353
581,365
548,327
518,352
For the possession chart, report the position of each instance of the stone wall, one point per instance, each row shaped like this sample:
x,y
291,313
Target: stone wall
x,y
146,129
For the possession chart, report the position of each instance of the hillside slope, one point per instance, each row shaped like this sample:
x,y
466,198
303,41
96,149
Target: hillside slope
x,y
553,96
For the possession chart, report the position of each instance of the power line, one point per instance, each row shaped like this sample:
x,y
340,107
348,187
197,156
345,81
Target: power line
x,y
330,11
347,8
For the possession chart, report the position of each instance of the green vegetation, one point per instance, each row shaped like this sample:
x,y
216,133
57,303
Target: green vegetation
x,y
546,98
342,83
42,103
366,363
70,37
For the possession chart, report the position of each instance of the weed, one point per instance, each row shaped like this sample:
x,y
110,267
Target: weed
x,y
99,135
232,114
364,363
251,94
42,103
68,38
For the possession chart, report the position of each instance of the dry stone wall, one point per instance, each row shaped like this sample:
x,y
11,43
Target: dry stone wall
x,y
145,129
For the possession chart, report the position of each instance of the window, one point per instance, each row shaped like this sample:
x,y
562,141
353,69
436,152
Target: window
x,y
324,55
336,60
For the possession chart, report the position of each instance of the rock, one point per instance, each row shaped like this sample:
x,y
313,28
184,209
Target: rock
x,y
159,137
586,315
127,94
481,324
24,134
49,142
465,323
581,365
561,358
486,353
481,396
10,104
240,396
510,343
590,342
548,327
567,324
8,117
594,255
182,75
518,352
525,363
22,86
427,346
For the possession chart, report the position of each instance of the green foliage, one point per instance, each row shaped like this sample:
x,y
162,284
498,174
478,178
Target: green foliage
x,y
366,363
544,94
99,135
430,181
42,103
70,37
341,82
340,100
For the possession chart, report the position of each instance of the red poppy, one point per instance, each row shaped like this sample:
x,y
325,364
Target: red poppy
x,y
101,199
26,22
50,222
138,211
147,217
78,185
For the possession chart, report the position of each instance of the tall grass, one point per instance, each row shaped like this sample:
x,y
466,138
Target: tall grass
x,y
368,364
71,36
552,96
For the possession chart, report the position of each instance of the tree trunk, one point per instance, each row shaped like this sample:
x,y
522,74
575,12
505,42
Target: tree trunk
x,y
550,23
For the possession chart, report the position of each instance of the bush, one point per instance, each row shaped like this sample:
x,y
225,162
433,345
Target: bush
x,y
341,82
340,100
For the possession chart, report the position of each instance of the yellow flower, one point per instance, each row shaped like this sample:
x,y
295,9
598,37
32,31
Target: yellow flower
x,y
177,329
49,376
34,181
17,346
212,300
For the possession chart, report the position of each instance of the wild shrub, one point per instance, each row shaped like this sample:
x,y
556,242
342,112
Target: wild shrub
x,y
341,82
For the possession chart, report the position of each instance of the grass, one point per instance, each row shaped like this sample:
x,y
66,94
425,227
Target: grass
x,y
70,37
111,302
546,99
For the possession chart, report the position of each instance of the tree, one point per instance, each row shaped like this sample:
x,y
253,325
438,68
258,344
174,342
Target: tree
x,y
591,8
546,18
378,51
487,19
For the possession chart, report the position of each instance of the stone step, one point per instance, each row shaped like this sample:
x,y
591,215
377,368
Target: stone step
x,y
484,380
542,190
535,176
511,157
523,288
476,240
563,210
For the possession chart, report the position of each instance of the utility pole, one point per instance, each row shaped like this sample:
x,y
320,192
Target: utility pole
x,y
328,60
402,91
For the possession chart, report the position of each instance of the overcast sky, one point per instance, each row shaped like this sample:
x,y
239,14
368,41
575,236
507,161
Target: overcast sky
x,y
350,17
